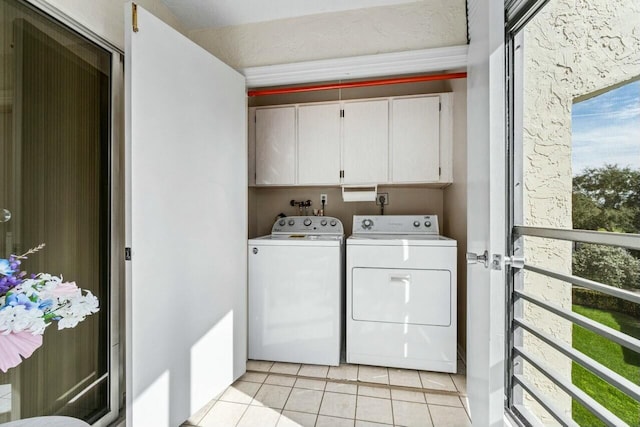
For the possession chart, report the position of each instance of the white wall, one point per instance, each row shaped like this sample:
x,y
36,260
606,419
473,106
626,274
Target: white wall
x,y
418,25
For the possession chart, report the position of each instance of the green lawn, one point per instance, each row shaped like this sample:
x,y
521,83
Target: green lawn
x,y
612,355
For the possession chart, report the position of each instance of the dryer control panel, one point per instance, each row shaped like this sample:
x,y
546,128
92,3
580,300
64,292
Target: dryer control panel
x,y
396,224
308,225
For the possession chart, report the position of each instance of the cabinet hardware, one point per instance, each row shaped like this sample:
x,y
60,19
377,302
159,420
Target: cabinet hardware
x,y
341,113
127,254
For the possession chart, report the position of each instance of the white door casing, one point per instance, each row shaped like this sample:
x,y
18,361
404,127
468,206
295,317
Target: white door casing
x,y
186,179
486,200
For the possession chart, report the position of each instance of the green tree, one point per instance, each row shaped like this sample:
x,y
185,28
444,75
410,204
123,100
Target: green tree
x,y
606,264
607,198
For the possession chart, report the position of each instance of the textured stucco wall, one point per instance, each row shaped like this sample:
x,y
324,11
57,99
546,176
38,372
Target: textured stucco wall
x,y
106,17
572,49
419,25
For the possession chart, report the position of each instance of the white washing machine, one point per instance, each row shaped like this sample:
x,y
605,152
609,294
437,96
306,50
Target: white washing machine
x,y
401,293
296,288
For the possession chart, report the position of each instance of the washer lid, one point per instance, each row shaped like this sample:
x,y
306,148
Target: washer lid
x,y
297,240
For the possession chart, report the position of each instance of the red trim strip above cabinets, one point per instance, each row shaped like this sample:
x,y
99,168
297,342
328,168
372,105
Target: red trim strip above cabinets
x,y
329,86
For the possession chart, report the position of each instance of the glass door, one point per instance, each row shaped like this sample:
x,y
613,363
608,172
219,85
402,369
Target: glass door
x,y
55,133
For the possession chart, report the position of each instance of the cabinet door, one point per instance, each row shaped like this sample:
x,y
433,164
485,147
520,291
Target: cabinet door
x,y
319,144
366,142
275,146
415,139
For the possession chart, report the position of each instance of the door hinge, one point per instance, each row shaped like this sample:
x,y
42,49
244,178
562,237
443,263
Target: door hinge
x,y
439,171
341,113
341,174
134,17
127,254
440,106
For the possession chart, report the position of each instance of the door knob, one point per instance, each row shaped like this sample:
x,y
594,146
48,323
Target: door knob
x,y
5,215
473,258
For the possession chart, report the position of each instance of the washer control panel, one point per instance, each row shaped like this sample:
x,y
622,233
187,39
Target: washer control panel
x,y
308,225
396,224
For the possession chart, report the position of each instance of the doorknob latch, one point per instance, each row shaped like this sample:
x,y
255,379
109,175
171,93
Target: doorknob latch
x,y
496,260
474,258
5,215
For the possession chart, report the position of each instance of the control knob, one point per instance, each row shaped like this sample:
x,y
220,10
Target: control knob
x,y
282,222
333,223
291,222
367,223
323,222
307,222
416,223
427,223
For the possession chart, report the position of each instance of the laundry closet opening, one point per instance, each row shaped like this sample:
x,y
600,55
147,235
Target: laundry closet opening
x,y
291,180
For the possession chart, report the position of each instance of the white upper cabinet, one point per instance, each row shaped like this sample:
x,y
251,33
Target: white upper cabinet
x,y
275,139
415,139
365,143
319,144
395,140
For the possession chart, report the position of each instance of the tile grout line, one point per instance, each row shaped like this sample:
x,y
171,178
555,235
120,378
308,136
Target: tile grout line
x,y
376,385
393,413
319,406
243,412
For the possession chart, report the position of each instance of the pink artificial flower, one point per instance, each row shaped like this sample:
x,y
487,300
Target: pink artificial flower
x,y
67,289
16,344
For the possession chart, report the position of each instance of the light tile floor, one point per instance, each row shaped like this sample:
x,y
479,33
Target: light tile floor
x,y
293,395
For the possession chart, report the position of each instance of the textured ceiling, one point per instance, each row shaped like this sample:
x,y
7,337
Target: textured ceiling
x,y
198,14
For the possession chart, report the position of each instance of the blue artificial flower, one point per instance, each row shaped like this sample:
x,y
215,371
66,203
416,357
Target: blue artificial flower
x,y
20,299
5,267
45,304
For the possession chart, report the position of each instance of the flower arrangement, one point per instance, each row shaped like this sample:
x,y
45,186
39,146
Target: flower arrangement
x,y
28,304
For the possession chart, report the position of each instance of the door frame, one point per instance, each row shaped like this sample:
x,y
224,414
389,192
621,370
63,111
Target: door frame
x,y
487,213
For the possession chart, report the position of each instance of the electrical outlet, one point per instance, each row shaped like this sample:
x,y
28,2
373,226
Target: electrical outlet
x,y
382,199
323,199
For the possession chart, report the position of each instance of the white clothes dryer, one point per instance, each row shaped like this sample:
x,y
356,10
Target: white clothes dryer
x,y
401,293
296,287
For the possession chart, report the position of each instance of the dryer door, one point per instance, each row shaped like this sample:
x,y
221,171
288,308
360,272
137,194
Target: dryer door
x,y
405,296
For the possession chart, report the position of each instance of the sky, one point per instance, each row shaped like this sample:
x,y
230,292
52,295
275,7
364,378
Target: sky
x,y
606,129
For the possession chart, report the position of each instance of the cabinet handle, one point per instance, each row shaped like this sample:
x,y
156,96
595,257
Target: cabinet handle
x,y
405,278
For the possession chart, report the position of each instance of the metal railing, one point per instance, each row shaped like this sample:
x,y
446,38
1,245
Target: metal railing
x,y
519,325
